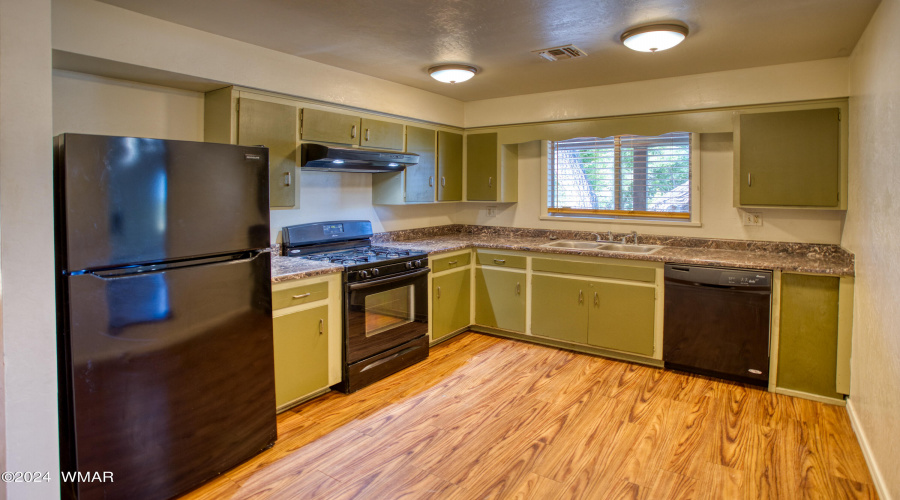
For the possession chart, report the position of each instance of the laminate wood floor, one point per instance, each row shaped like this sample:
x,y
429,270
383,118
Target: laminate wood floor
x,y
485,417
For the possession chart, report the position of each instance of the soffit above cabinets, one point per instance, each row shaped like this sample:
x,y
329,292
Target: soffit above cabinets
x,y
398,40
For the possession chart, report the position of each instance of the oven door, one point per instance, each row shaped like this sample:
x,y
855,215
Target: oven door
x,y
384,313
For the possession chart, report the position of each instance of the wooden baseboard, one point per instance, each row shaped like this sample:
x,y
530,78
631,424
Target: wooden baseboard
x,y
877,477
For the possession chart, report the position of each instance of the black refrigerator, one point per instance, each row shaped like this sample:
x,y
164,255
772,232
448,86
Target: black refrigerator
x,y
166,373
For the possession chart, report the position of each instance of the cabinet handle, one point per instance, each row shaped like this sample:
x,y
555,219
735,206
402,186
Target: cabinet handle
x,y
500,261
431,181
581,296
302,295
490,182
443,181
439,292
287,178
596,299
367,134
749,179
452,262
518,289
321,326
353,132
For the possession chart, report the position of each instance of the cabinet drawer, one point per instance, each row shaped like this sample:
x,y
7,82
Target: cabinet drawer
x,y
445,263
499,259
298,295
632,273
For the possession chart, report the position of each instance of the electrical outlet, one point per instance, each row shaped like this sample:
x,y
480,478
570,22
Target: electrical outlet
x,y
491,211
751,219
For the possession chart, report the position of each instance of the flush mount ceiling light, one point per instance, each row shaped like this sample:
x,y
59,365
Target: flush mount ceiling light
x,y
655,37
452,73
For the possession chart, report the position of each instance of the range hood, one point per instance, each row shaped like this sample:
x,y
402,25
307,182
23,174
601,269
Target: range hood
x,y
319,157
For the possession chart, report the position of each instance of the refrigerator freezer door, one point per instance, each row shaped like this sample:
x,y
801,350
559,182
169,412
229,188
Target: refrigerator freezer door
x,y
170,376
125,200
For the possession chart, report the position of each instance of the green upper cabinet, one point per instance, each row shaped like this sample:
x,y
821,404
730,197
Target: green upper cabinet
x,y
622,317
793,158
420,177
325,126
809,333
275,126
338,128
381,135
500,299
449,166
491,169
301,354
559,309
450,303
481,167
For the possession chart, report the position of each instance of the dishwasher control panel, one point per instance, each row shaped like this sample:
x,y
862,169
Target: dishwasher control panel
x,y
744,279
718,276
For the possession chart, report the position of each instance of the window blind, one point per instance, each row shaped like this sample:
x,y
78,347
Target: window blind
x,y
623,175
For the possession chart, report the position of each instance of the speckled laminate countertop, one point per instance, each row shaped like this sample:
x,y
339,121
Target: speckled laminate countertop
x,y
800,257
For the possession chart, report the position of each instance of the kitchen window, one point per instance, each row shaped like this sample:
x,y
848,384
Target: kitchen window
x,y
622,177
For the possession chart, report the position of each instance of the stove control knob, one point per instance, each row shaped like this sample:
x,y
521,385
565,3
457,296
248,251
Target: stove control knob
x,y
374,272
364,274
409,265
418,263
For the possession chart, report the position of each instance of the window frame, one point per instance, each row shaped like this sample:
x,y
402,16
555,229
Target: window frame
x,y
612,217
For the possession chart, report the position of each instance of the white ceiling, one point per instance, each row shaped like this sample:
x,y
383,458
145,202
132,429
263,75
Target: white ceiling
x,y
398,40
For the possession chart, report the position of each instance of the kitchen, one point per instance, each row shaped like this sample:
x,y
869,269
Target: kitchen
x,y
92,104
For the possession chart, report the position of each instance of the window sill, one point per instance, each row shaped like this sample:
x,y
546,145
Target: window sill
x,y
614,220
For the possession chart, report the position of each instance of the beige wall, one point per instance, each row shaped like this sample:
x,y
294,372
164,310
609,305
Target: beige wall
x,y
768,84
873,234
28,410
718,218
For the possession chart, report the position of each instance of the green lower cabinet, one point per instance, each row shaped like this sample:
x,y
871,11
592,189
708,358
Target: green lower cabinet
x,y
500,299
301,354
622,317
559,308
807,345
450,303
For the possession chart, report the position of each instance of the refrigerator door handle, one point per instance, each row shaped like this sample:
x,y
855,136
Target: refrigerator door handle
x,y
157,268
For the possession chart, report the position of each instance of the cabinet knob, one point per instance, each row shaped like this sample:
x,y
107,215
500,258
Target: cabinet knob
x,y
287,178
443,181
749,179
452,262
438,292
490,182
321,326
431,181
302,295
367,134
596,299
353,132
500,261
581,296
518,289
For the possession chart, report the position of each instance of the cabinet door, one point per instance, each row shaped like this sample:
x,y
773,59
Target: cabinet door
x,y
301,354
559,308
274,126
420,177
790,158
807,344
481,167
622,317
381,135
500,299
450,166
324,126
450,306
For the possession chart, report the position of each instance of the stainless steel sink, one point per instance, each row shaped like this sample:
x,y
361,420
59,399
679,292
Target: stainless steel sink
x,y
581,244
621,247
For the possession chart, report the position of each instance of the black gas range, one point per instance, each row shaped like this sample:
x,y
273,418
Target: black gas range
x,y
385,297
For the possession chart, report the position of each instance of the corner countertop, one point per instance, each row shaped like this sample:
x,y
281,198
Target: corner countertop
x,y
744,254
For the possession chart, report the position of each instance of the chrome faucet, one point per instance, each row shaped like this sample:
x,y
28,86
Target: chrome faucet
x,y
596,236
634,237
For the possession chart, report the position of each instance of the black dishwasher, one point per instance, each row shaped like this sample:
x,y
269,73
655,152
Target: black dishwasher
x,y
717,322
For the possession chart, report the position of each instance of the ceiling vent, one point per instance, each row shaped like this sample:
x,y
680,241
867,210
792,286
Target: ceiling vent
x,y
560,53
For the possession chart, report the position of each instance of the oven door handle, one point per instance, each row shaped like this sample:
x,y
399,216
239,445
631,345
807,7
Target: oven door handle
x,y
392,279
